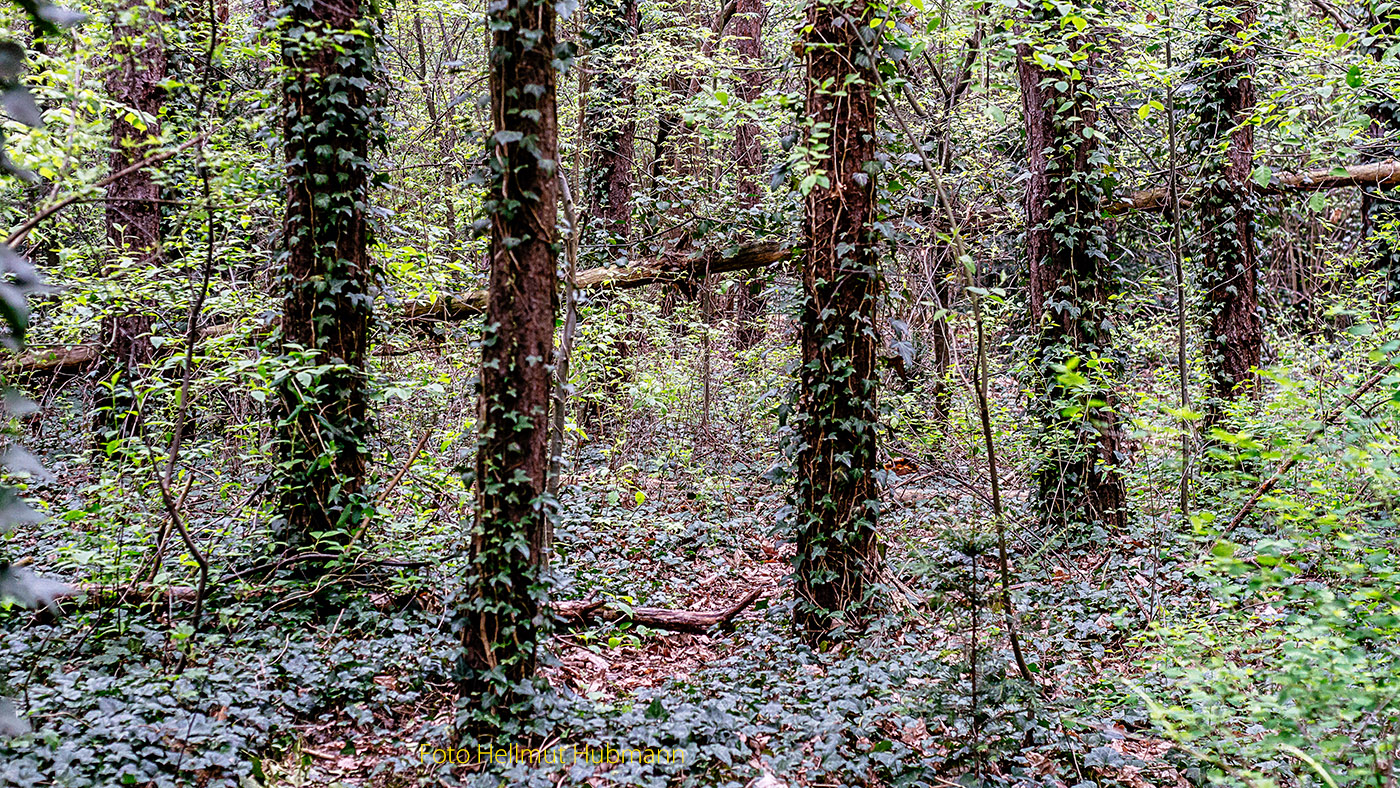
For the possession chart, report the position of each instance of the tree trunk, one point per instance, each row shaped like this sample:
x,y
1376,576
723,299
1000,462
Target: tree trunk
x,y
499,626
331,121
132,207
835,497
747,26
1070,283
610,120
609,177
1226,101
1379,209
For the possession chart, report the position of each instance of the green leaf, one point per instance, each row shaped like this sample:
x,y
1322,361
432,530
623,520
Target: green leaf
x,y
1354,77
1262,175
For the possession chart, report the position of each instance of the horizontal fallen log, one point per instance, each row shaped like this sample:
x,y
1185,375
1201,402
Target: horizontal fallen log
x,y
78,358
578,613
1385,173
693,621
750,256
55,359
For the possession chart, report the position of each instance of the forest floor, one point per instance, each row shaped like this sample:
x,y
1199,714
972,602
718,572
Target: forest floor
x,y
845,716
1158,655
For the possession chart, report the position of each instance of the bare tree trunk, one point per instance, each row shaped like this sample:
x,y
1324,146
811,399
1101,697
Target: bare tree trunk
x,y
505,592
133,200
331,120
747,27
1070,283
1225,72
835,496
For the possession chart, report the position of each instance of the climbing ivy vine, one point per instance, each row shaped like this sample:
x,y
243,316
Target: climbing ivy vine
x,y
332,122
1072,276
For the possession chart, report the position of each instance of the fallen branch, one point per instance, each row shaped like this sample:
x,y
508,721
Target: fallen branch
x,y
694,621
1292,460
34,221
77,358
58,359
1386,173
759,255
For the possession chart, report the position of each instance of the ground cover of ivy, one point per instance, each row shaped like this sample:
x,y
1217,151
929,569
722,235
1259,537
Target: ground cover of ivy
x,y
1161,654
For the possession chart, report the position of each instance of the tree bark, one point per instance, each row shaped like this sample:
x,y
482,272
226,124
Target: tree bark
x,y
835,497
1378,205
747,26
610,119
132,207
1226,207
1070,284
499,624
331,119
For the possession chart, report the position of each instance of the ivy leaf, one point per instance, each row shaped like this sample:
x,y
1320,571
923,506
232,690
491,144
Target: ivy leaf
x,y
21,107
11,62
1262,175
11,724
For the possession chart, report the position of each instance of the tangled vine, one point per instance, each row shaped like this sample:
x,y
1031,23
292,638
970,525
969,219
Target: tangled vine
x,y
331,123
1224,144
835,500
1072,276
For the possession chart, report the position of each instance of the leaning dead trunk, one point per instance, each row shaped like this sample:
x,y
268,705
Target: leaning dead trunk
x,y
1225,73
1071,278
331,122
504,591
132,204
835,496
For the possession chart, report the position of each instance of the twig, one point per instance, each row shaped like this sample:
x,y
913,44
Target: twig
x,y
960,253
398,477
1292,460
394,482
38,218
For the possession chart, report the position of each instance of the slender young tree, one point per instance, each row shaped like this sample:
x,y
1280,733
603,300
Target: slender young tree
x,y
500,623
133,200
836,500
1225,103
331,122
1071,277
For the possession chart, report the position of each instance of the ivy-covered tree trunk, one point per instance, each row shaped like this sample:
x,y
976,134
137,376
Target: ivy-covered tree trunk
x,y
1380,206
1071,278
612,28
133,200
331,121
836,500
1225,74
501,623
747,28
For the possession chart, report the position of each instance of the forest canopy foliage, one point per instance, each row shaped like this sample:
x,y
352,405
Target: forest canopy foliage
x,y
820,393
